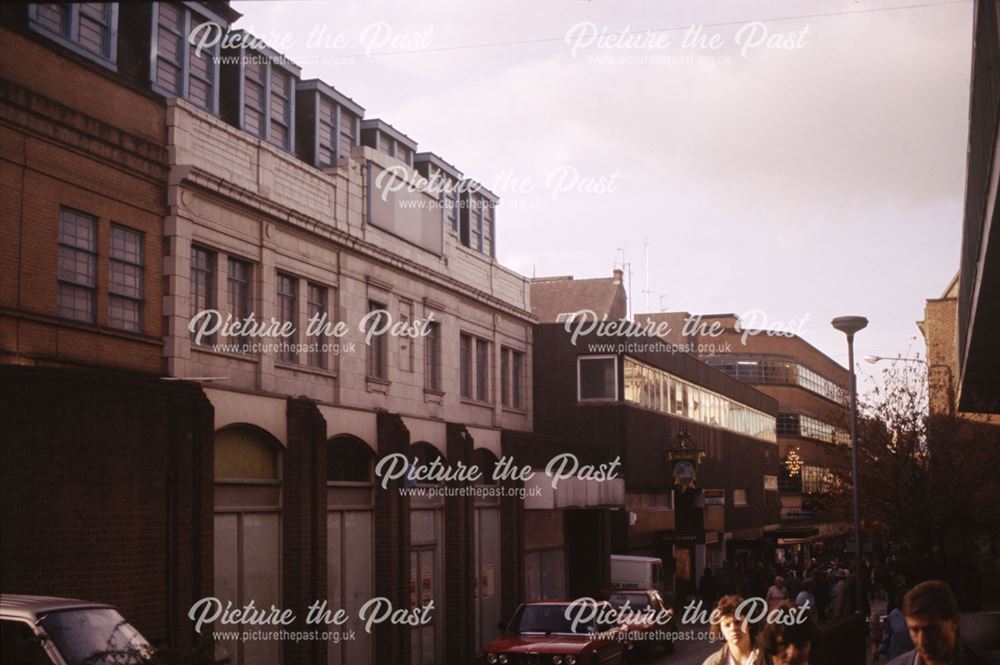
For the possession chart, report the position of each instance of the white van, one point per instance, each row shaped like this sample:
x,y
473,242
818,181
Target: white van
x,y
636,572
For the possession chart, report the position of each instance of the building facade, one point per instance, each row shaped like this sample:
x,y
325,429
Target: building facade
x,y
162,203
979,271
640,397
813,424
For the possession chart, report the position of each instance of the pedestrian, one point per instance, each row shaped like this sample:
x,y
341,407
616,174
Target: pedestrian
x,y
777,593
726,579
805,598
706,587
788,644
895,635
838,594
739,639
932,620
821,591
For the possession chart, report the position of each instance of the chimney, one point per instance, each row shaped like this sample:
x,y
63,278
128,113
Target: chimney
x,y
618,276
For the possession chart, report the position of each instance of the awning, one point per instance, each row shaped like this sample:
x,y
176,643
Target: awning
x,y
793,532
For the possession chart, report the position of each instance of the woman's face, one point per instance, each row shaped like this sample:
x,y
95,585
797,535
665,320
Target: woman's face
x,y
792,654
732,630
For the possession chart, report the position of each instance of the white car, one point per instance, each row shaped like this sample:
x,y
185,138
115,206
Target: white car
x,y
41,630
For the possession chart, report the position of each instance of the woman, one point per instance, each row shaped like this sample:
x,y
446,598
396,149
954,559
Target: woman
x,y
784,644
777,594
738,648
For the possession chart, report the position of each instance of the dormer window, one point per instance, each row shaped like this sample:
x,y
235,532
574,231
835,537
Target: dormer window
x,y
263,83
477,227
88,28
385,138
178,69
328,123
445,179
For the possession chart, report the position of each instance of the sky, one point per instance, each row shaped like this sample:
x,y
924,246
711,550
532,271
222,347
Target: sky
x,y
791,161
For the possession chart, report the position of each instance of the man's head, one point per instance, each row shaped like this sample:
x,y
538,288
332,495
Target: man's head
x,y
788,644
932,619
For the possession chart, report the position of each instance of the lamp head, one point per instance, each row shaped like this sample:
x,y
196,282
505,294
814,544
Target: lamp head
x,y
872,359
849,324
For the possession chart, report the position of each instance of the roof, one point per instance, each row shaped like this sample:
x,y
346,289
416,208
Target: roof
x,y
951,291
440,163
386,128
252,42
552,296
332,93
29,607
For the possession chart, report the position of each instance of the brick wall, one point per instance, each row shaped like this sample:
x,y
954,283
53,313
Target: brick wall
x,y
459,555
304,525
106,493
73,137
392,547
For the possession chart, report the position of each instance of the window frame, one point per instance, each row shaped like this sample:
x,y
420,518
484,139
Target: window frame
x,y
512,378
268,62
377,362
92,253
287,303
112,260
579,385
432,357
317,359
232,260
70,37
186,71
475,373
483,349
210,286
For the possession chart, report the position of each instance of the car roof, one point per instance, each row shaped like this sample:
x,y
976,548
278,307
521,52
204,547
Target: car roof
x,y
557,602
29,607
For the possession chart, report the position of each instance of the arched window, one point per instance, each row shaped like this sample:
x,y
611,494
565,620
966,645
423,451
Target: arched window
x,y
247,530
348,459
246,453
486,462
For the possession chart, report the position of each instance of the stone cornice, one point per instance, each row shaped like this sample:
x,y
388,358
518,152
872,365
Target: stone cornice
x,y
217,186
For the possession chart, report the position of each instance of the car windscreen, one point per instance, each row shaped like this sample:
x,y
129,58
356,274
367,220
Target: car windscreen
x,y
546,619
95,636
637,602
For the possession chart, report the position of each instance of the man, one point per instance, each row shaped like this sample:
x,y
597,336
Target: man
x,y
932,619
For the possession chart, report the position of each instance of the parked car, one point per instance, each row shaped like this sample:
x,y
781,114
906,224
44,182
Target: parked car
x,y
645,618
541,633
41,630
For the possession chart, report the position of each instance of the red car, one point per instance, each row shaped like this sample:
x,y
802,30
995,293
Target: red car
x,y
542,633
648,618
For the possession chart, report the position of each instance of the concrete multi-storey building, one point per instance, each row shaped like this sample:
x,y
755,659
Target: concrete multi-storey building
x,y
153,188
813,410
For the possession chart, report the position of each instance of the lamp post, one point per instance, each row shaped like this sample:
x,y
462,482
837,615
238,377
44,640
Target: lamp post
x,y
849,325
875,359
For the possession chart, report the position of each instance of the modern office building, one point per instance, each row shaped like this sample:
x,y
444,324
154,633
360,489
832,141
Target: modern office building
x,y
644,398
811,391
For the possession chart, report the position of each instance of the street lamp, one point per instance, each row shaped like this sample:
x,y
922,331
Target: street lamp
x,y
849,325
875,359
